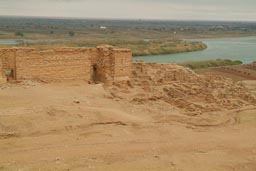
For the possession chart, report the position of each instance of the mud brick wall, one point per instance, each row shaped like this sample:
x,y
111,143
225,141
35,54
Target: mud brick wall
x,y
1,69
112,64
54,65
1,66
122,64
7,61
104,64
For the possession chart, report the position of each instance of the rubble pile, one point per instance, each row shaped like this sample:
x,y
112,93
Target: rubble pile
x,y
183,88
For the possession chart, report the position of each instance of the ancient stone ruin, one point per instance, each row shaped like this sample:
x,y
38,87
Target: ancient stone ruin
x,y
104,64
182,88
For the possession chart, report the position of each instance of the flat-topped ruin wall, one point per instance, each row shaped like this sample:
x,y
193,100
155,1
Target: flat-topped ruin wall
x,y
105,64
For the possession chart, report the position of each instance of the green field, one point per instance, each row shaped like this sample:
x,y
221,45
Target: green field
x,y
210,63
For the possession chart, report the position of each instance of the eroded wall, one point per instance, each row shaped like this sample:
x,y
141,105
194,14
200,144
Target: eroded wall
x,y
101,64
8,61
104,64
1,68
113,64
2,77
122,64
53,65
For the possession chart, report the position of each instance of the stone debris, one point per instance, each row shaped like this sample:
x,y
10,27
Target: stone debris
x,y
76,101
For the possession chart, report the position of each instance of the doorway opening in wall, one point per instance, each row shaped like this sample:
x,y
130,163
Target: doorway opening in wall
x,y
95,74
9,75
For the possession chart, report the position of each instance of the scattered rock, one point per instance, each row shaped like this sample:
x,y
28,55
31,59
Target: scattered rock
x,y
110,123
76,101
5,135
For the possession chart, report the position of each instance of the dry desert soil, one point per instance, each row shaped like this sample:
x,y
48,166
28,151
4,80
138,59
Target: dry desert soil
x,y
167,119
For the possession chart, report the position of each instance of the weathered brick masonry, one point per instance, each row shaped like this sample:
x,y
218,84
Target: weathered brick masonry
x,y
101,64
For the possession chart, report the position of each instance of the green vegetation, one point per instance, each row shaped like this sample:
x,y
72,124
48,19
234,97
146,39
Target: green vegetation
x,y
139,48
210,63
18,33
71,33
162,47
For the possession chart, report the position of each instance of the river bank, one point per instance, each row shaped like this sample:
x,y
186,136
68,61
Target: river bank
x,y
209,63
139,47
242,48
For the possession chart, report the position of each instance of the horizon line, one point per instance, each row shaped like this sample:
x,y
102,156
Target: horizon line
x,y
129,19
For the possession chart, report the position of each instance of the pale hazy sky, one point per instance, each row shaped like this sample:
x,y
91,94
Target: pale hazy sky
x,y
241,10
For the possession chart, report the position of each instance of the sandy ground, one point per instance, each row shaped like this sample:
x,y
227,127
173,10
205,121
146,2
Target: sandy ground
x,y
78,127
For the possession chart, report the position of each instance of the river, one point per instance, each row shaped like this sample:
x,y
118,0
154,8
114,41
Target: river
x,y
243,49
11,42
